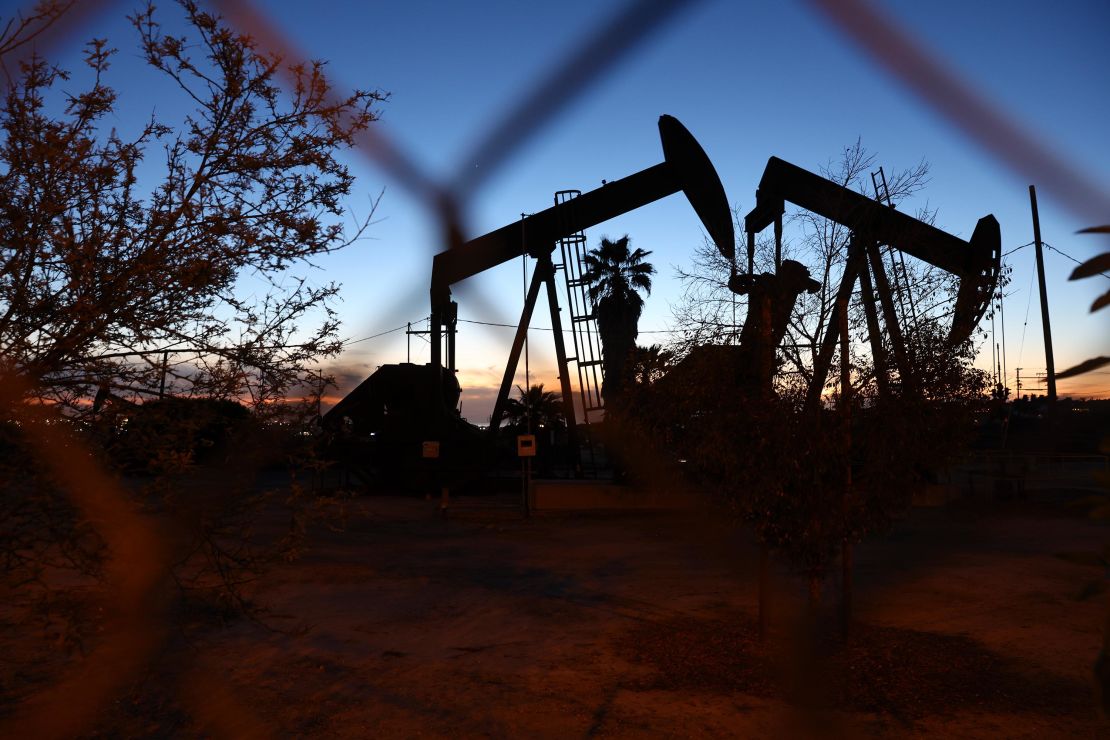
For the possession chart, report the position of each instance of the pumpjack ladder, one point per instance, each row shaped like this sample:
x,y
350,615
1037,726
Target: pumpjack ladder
x,y
583,321
901,277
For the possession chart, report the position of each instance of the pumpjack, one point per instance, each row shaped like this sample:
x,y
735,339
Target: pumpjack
x,y
370,417
976,263
401,406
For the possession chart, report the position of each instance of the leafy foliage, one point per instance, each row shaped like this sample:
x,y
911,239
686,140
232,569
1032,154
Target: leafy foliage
x,y
185,236
1097,265
534,408
105,262
616,274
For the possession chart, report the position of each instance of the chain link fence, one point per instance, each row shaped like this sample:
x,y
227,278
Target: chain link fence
x,y
138,562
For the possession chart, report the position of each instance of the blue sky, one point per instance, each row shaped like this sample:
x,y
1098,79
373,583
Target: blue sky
x,y
750,80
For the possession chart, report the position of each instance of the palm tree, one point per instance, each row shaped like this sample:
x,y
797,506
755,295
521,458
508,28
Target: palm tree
x,y
649,364
616,276
544,408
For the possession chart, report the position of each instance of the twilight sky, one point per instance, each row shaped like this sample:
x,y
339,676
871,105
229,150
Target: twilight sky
x,y
749,80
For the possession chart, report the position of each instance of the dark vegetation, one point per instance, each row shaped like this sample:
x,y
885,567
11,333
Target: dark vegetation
x,y
151,406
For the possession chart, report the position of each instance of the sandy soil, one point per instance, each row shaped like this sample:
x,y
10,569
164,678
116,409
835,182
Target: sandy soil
x,y
969,623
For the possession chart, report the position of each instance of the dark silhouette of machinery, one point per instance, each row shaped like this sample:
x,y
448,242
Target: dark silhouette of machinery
x,y
388,418
427,395
772,296
379,428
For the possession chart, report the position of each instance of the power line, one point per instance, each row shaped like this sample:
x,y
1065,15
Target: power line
x,y
185,349
1028,303
1023,246
565,331
1073,259
382,333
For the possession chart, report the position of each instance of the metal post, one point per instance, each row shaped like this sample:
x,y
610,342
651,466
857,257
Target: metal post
x,y
452,325
561,357
1002,322
821,365
751,252
526,480
778,241
867,297
998,369
1045,324
882,287
435,327
514,353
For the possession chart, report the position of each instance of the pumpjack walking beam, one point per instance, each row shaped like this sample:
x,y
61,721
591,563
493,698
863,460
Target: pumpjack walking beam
x,y
976,262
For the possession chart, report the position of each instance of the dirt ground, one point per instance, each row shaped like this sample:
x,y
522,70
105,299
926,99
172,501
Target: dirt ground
x,y
971,621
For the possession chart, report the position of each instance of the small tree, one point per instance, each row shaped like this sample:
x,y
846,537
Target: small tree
x,y
103,268
117,248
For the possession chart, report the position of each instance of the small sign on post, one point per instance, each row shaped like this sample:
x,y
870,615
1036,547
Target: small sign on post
x,y
431,450
526,445
525,450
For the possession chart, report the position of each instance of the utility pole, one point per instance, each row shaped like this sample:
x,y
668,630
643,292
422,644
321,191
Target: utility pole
x,y
1049,361
408,340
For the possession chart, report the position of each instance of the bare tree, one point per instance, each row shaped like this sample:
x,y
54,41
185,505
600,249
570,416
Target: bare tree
x,y
710,313
102,269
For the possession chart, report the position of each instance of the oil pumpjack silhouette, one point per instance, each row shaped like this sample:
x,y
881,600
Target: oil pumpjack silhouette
x,y
382,425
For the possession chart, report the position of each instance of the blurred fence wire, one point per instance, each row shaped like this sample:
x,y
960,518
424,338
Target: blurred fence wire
x,y
137,563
